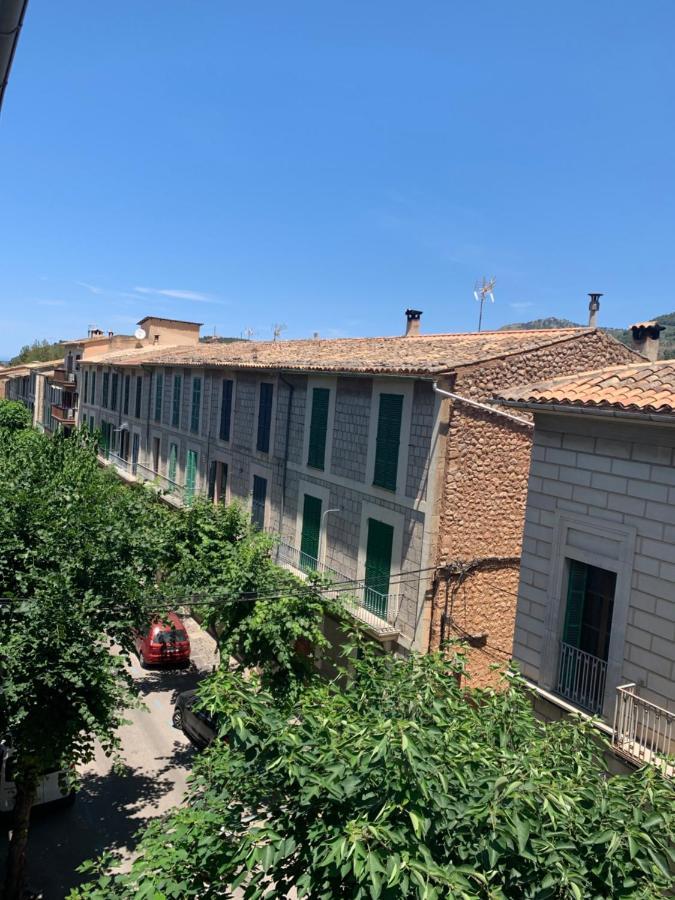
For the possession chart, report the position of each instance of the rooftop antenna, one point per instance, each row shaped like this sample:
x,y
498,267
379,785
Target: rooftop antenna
x,y
277,328
484,290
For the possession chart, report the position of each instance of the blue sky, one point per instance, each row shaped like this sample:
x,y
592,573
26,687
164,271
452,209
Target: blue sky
x,y
327,164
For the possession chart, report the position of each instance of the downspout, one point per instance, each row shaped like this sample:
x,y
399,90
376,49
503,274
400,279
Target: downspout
x,y
291,389
483,406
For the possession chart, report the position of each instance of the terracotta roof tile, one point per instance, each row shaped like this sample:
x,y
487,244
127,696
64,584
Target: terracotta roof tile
x,y
424,354
646,387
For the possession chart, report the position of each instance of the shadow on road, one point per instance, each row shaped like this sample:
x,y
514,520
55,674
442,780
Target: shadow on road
x,y
169,680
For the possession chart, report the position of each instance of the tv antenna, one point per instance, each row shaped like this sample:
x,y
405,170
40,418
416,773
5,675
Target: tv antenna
x,y
277,328
248,333
484,290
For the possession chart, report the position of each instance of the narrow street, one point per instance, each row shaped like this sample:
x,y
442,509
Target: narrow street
x,y
111,806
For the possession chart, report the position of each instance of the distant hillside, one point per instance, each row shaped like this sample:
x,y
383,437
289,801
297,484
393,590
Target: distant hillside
x,y
212,339
621,334
551,322
38,351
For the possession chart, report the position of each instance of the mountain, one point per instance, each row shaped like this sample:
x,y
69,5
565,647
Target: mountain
x,y
621,334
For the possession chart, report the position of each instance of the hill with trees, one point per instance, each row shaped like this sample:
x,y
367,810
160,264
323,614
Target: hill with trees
x,y
38,351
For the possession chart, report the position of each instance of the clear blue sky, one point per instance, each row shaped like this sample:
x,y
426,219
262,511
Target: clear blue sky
x,y
327,164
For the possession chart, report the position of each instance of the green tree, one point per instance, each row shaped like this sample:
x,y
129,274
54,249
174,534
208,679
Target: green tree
x,y
38,351
13,415
401,786
78,556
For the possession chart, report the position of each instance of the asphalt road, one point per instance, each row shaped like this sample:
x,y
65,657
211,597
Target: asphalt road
x,y
110,807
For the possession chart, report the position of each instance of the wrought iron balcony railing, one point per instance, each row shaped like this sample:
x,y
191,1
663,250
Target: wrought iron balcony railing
x,y
581,678
643,731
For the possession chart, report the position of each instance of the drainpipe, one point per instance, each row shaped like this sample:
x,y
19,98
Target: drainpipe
x,y
291,389
482,406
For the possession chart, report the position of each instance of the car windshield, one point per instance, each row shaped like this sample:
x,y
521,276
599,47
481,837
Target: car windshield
x,y
168,637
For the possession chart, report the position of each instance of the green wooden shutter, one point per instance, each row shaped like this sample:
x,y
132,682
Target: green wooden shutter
x,y
139,396
175,406
388,440
86,385
258,501
318,428
173,460
190,475
159,393
212,479
264,417
127,389
113,392
311,529
378,566
106,383
576,595
196,403
226,410
223,483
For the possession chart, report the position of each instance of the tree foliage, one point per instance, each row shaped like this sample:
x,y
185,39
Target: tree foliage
x,y
401,786
13,415
38,351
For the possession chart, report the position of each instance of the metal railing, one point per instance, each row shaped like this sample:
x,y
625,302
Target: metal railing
x,y
581,678
165,485
377,611
121,464
63,413
643,731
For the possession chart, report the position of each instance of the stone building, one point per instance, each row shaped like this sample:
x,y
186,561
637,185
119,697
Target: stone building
x,y
374,458
595,624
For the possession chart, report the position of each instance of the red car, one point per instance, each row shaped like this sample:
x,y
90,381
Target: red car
x,y
166,642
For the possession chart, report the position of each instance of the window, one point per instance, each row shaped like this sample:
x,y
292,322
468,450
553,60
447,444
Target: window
x,y
127,390
226,410
258,501
175,404
584,648
264,417
113,393
311,531
171,469
104,438
159,391
213,466
190,475
93,387
196,403
387,441
155,454
378,567
86,385
222,483
139,396
106,386
92,425
318,428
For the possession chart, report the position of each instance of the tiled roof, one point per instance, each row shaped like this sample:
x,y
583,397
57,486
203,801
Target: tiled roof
x,y
424,354
646,387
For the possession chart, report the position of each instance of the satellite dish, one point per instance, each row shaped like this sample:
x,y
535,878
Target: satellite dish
x,y
139,334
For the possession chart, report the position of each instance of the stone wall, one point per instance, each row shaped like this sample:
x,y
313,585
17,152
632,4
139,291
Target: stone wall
x,y
482,509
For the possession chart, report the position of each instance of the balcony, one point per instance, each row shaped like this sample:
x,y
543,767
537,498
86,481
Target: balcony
x,y
376,611
63,379
170,491
581,678
65,415
643,731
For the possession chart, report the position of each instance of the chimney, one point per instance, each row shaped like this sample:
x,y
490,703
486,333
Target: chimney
x,y
646,337
593,308
412,325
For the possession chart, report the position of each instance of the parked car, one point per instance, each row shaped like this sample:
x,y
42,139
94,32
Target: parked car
x,y
51,789
165,642
197,724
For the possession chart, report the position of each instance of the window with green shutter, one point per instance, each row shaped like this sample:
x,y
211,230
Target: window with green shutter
x,y
318,427
173,462
86,385
226,410
159,393
576,594
387,441
264,417
139,396
258,501
222,488
93,387
196,403
127,391
190,475
106,388
113,392
175,402
213,467
378,567
311,530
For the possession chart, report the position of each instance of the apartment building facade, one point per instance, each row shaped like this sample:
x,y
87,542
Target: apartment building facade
x,y
356,452
595,623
